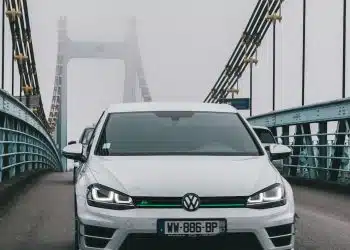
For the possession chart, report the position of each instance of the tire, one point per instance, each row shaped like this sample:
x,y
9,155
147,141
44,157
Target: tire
x,y
76,225
74,175
76,235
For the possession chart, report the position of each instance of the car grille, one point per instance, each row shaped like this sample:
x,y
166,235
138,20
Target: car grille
x,y
175,202
97,237
240,241
280,235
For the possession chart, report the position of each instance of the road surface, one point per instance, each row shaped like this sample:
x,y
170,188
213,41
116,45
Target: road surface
x,y
42,218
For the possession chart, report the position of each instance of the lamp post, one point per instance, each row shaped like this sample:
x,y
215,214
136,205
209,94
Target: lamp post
x,y
344,48
3,45
303,63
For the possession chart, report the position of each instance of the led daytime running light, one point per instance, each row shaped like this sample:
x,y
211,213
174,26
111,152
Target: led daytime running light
x,y
95,197
109,197
265,196
116,197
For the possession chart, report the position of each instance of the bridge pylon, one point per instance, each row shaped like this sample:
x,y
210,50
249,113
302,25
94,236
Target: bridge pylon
x,y
127,50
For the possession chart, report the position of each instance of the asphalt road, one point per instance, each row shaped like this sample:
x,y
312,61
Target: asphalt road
x,y
42,218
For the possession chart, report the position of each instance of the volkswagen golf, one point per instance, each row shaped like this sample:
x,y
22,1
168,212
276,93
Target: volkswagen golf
x,y
179,176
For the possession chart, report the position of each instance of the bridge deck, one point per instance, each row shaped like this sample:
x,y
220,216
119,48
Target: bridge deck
x,y
42,218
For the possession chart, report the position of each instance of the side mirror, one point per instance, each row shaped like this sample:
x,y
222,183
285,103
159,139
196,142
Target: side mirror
x,y
279,152
72,142
74,152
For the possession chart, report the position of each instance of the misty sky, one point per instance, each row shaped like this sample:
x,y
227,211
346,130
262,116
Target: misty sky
x,y
184,46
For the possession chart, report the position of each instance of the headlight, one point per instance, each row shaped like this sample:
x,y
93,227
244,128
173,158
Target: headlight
x,y
272,196
104,197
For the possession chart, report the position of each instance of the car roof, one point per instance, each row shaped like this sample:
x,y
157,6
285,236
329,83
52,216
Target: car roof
x,y
260,127
170,106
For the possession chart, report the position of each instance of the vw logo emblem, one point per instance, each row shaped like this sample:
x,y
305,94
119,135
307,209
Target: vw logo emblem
x,y
190,202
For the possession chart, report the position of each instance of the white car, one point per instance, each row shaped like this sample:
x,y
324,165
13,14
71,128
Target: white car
x,y
267,139
180,176
84,140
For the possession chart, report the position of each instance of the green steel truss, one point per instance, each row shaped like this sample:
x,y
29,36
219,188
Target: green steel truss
x,y
25,144
319,155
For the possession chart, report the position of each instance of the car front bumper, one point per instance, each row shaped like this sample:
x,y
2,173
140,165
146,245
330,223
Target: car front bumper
x,y
111,229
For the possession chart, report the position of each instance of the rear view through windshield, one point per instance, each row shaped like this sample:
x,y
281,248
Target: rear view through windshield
x,y
85,138
175,133
265,135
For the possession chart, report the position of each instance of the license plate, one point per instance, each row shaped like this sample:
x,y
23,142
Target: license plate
x,y
191,227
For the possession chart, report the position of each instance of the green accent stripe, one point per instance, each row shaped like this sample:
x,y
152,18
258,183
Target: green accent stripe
x,y
205,205
158,205
222,205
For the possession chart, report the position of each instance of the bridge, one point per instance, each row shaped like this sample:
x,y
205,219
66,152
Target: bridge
x,y
36,190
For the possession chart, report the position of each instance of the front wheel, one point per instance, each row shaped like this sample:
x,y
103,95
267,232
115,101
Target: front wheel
x,y
76,225
76,234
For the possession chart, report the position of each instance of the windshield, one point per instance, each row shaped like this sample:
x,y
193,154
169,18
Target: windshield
x,y
86,136
175,133
265,135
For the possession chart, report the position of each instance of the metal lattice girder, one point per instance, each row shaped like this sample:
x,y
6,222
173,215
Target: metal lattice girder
x,y
325,111
317,160
296,151
285,141
308,158
322,150
342,129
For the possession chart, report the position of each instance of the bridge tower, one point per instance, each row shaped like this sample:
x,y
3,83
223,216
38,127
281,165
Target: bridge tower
x,y
127,50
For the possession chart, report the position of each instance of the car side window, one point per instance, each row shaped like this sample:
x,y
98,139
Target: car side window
x,y
87,136
265,136
93,136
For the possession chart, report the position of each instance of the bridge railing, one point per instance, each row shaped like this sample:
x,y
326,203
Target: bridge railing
x,y
25,145
318,155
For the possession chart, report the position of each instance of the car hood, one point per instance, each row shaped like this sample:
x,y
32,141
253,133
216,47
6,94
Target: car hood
x,y
177,175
